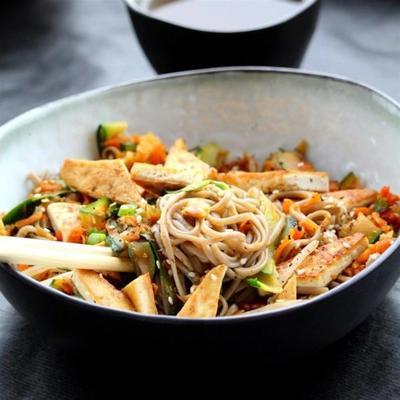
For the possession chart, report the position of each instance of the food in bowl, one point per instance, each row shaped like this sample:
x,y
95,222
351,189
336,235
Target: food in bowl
x,y
205,235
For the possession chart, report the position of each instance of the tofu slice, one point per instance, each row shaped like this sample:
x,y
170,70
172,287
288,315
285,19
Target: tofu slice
x,y
328,261
64,217
353,197
180,159
203,303
102,178
278,180
140,292
93,287
159,176
181,168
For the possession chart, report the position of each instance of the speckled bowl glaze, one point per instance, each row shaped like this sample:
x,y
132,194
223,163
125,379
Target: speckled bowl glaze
x,y
349,126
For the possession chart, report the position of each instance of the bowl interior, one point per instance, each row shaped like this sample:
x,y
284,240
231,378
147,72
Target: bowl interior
x,y
222,15
348,126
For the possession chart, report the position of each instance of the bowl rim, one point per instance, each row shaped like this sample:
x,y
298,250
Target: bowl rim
x,y
43,110
133,5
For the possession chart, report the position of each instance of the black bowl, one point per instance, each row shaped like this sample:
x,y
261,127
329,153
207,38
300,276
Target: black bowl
x,y
254,109
171,47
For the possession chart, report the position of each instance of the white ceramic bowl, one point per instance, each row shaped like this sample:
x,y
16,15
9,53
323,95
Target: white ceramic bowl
x,y
349,127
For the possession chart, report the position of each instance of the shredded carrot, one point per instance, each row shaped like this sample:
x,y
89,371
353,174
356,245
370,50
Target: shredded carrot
x,y
59,236
245,226
309,226
22,267
378,247
158,155
115,141
48,186
281,248
296,233
362,210
149,149
384,192
132,236
312,201
353,269
77,235
376,218
381,246
30,220
65,286
388,195
287,203
130,220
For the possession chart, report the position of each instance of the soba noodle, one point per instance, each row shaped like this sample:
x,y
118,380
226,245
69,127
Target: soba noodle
x,y
193,245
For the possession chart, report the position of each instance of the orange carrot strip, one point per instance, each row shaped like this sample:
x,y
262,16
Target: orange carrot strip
x,y
376,218
158,155
362,210
378,247
297,233
314,199
309,226
59,236
30,220
77,235
282,246
287,203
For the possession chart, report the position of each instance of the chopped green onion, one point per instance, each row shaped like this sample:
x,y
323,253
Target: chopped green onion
x,y
373,237
126,210
380,205
127,146
96,238
98,207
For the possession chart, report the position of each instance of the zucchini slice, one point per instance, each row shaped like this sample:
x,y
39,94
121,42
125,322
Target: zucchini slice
x,y
143,256
107,131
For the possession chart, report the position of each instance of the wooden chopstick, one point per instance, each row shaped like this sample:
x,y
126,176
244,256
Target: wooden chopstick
x,y
15,250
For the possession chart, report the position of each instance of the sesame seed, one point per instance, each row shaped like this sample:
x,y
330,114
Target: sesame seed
x,y
213,277
170,301
191,275
192,289
139,219
45,201
158,264
346,245
300,271
275,191
243,261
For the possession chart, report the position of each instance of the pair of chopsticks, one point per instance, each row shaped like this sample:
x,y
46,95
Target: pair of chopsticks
x,y
14,250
